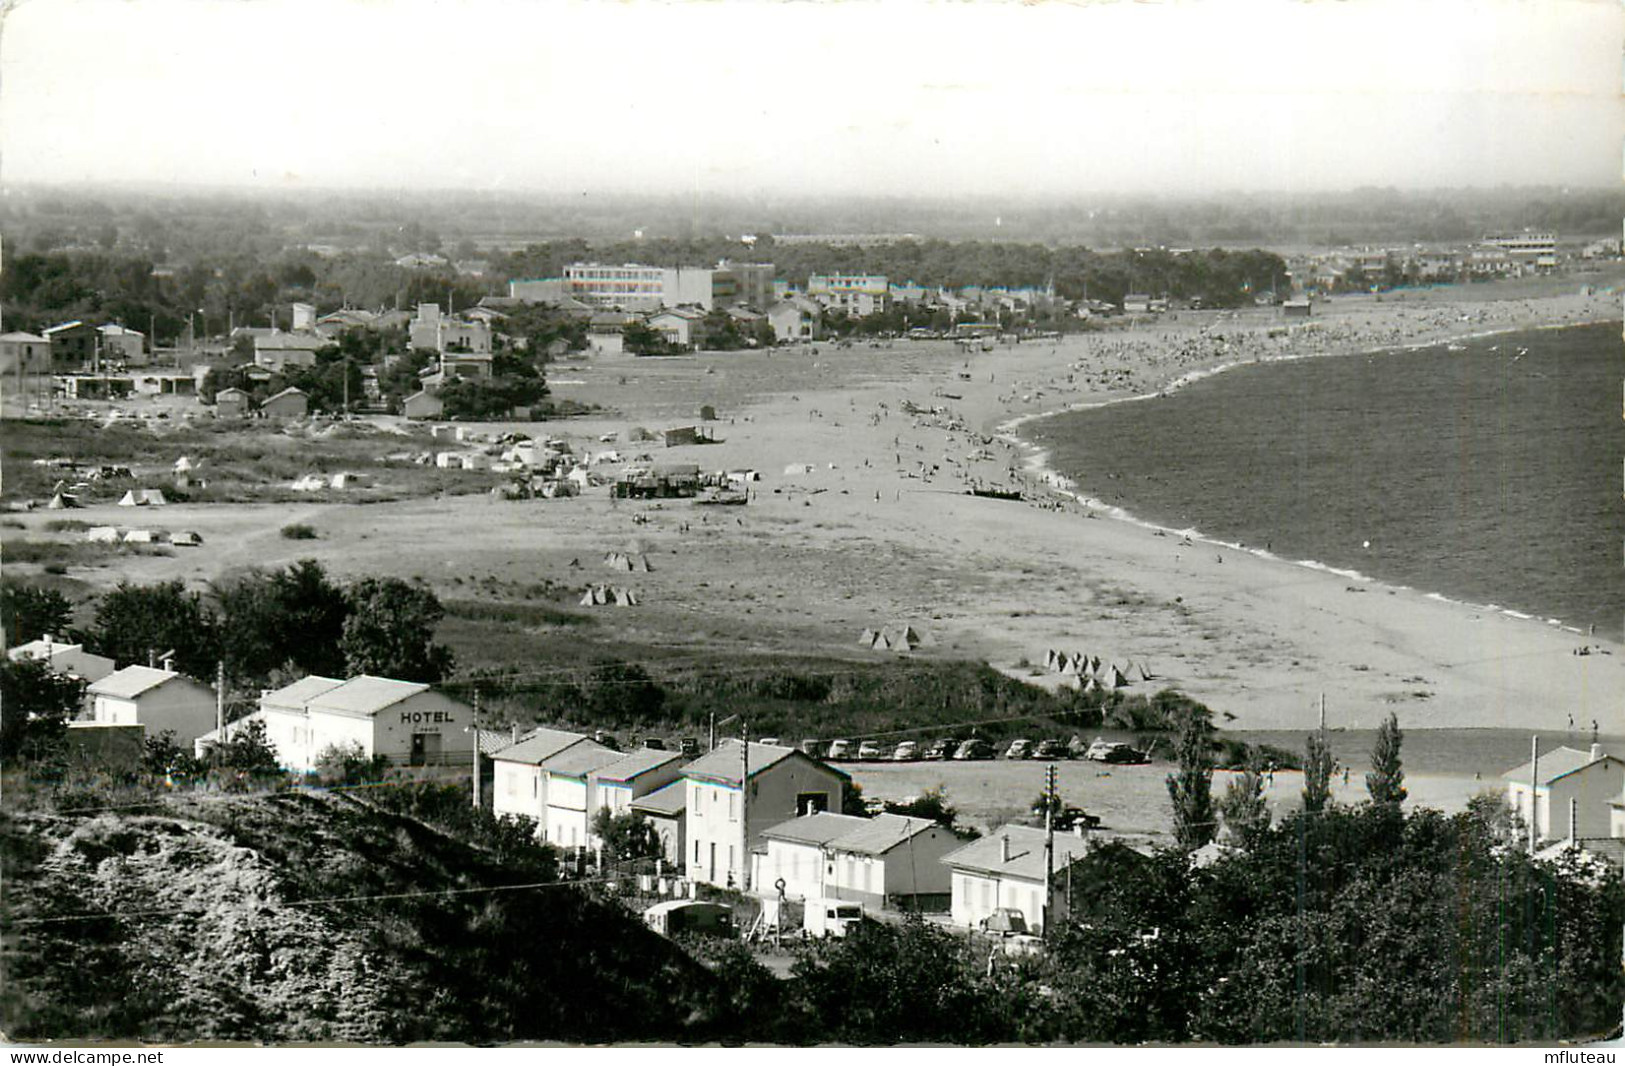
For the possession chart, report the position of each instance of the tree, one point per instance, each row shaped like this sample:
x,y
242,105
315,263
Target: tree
x,y
35,706
28,612
931,803
1318,765
620,693
248,752
390,631
134,622
1386,781
1191,789
348,764
640,339
1243,806
626,836
287,617
852,801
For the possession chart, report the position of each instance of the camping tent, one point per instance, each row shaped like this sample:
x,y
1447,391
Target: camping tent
x,y
867,638
102,535
130,499
140,536
1110,678
309,483
1144,674
62,501
186,538
153,498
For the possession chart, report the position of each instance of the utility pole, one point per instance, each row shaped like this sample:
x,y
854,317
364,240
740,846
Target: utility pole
x,y
476,746
744,805
1049,846
220,700
1534,798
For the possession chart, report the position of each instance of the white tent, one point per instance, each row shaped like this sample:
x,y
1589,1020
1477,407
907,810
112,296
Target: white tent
x,y
140,536
186,538
102,535
130,499
153,498
309,483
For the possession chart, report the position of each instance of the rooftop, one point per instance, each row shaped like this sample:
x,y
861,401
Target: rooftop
x,y
366,695
579,760
723,763
131,682
42,649
294,696
669,799
539,746
1559,762
883,832
820,828
1026,852
632,764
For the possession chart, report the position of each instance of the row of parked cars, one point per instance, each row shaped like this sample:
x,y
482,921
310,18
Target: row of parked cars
x,y
975,748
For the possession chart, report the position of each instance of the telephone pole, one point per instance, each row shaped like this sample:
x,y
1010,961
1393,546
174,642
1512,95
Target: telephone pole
x,y
476,731
744,805
220,701
1049,845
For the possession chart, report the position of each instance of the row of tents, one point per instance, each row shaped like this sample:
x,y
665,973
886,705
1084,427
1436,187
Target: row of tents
x,y
602,595
1087,668
114,535
890,638
627,563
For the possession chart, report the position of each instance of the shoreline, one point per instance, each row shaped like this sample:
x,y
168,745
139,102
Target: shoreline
x,y
1036,464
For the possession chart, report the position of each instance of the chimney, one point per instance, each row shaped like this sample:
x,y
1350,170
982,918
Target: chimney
x,y
168,662
1004,848
1596,752
515,732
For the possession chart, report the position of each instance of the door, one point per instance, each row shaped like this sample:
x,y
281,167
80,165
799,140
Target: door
x,y
425,748
417,749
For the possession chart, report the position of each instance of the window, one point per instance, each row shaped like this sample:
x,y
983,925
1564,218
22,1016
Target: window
x,y
696,852
733,813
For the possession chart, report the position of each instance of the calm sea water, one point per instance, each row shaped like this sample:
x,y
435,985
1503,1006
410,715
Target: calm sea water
x,y
1490,474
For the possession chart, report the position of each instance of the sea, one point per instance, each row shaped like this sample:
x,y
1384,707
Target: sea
x,y
1487,470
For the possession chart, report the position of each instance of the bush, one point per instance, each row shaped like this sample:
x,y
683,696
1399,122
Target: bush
x,y
298,531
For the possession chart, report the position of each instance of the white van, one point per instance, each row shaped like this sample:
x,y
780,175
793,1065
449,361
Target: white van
x,y
830,917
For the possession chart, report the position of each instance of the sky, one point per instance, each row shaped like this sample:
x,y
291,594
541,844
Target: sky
x,y
752,97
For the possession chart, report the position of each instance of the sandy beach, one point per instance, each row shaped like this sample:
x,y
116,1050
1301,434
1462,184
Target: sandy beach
x,y
862,518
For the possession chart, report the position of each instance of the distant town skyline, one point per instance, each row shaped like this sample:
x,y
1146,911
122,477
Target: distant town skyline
x,y
747,97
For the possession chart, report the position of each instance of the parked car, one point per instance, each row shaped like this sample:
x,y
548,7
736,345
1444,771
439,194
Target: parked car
x,y
774,741
830,917
870,750
1051,749
1019,749
942,749
813,746
606,739
1005,921
1114,751
689,746
690,916
840,749
654,743
907,751
974,748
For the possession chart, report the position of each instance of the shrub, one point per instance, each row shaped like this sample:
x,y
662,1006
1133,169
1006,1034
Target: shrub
x,y
298,531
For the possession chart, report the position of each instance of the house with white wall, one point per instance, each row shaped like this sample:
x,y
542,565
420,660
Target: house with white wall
x,y
568,786
519,784
69,660
1567,792
632,776
160,701
1006,870
724,821
887,860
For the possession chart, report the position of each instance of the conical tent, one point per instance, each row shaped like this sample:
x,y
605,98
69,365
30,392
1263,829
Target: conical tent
x,y
130,499
1049,660
1072,683
586,598
1145,675
1110,678
1128,672
867,638
910,634
1091,686
1069,669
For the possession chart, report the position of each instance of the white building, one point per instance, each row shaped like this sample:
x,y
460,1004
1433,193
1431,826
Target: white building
x,y
1006,870
405,722
568,787
1581,783
724,824
856,294
633,776
885,860
519,783
160,701
795,319
70,660
277,351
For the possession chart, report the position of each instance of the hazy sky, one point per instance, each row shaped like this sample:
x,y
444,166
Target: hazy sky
x,y
742,96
